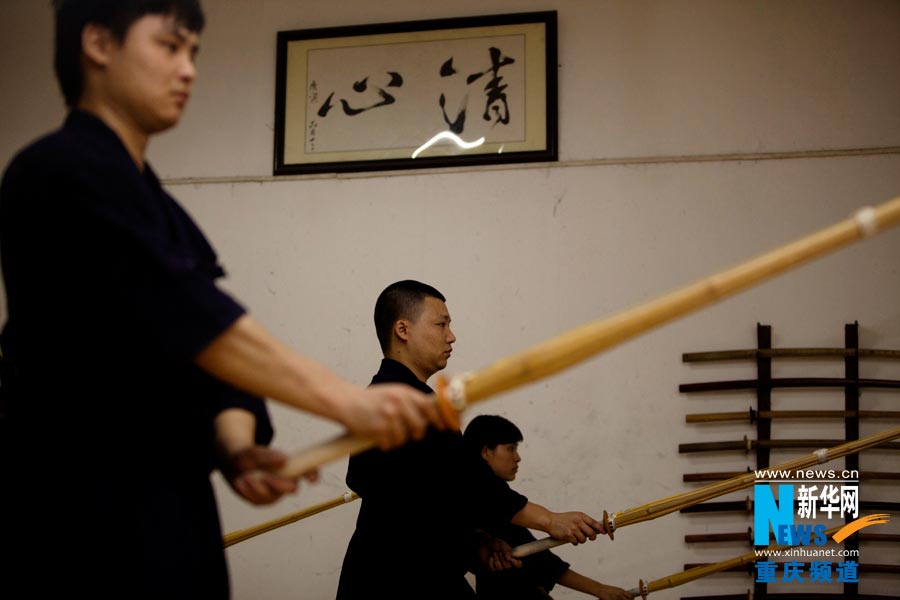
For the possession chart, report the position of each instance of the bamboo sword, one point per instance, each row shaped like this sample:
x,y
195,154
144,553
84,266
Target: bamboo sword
x,y
665,506
719,476
746,505
703,570
575,346
747,536
245,534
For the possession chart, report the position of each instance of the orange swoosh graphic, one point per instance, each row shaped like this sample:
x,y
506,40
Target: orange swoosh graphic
x,y
851,528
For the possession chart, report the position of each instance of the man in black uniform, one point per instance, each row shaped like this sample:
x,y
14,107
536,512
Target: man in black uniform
x,y
495,440
431,488
128,374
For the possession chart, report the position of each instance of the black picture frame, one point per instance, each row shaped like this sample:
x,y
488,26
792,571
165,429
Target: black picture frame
x,y
370,97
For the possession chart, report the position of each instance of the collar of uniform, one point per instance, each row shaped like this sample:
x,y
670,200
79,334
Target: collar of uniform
x,y
85,121
396,372
81,120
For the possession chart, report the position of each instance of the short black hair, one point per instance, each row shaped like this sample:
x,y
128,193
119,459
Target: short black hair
x,y
400,300
117,16
490,431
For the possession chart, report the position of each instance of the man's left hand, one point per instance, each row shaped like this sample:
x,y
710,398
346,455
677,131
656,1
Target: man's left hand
x,y
251,473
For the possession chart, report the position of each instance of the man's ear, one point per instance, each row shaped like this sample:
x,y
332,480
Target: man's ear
x,y
401,329
97,43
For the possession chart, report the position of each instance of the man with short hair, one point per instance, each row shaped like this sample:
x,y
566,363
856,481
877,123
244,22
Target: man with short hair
x,y
128,374
432,488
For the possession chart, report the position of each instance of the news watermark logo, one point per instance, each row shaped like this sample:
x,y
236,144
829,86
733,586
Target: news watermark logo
x,y
789,506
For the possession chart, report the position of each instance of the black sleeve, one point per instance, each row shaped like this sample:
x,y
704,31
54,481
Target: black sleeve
x,y
108,239
501,502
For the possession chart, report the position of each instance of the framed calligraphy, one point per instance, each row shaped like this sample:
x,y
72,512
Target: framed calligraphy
x,y
417,94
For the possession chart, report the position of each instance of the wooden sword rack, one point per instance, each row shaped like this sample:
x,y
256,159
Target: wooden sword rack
x,y
760,418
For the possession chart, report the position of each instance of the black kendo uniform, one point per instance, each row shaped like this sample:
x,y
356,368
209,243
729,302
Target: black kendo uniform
x,y
107,429
421,506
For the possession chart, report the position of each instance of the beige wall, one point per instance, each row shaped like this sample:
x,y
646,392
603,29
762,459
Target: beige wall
x,y
526,252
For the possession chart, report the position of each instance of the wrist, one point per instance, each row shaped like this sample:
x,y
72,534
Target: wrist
x,y
543,517
235,430
333,398
314,388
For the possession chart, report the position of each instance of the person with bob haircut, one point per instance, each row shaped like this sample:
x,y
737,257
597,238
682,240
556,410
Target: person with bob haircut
x,y
128,374
495,440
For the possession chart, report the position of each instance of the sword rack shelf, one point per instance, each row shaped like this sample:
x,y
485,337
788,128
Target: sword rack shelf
x,y
761,416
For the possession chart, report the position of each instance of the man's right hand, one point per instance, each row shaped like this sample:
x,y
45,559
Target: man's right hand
x,y
250,358
391,413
